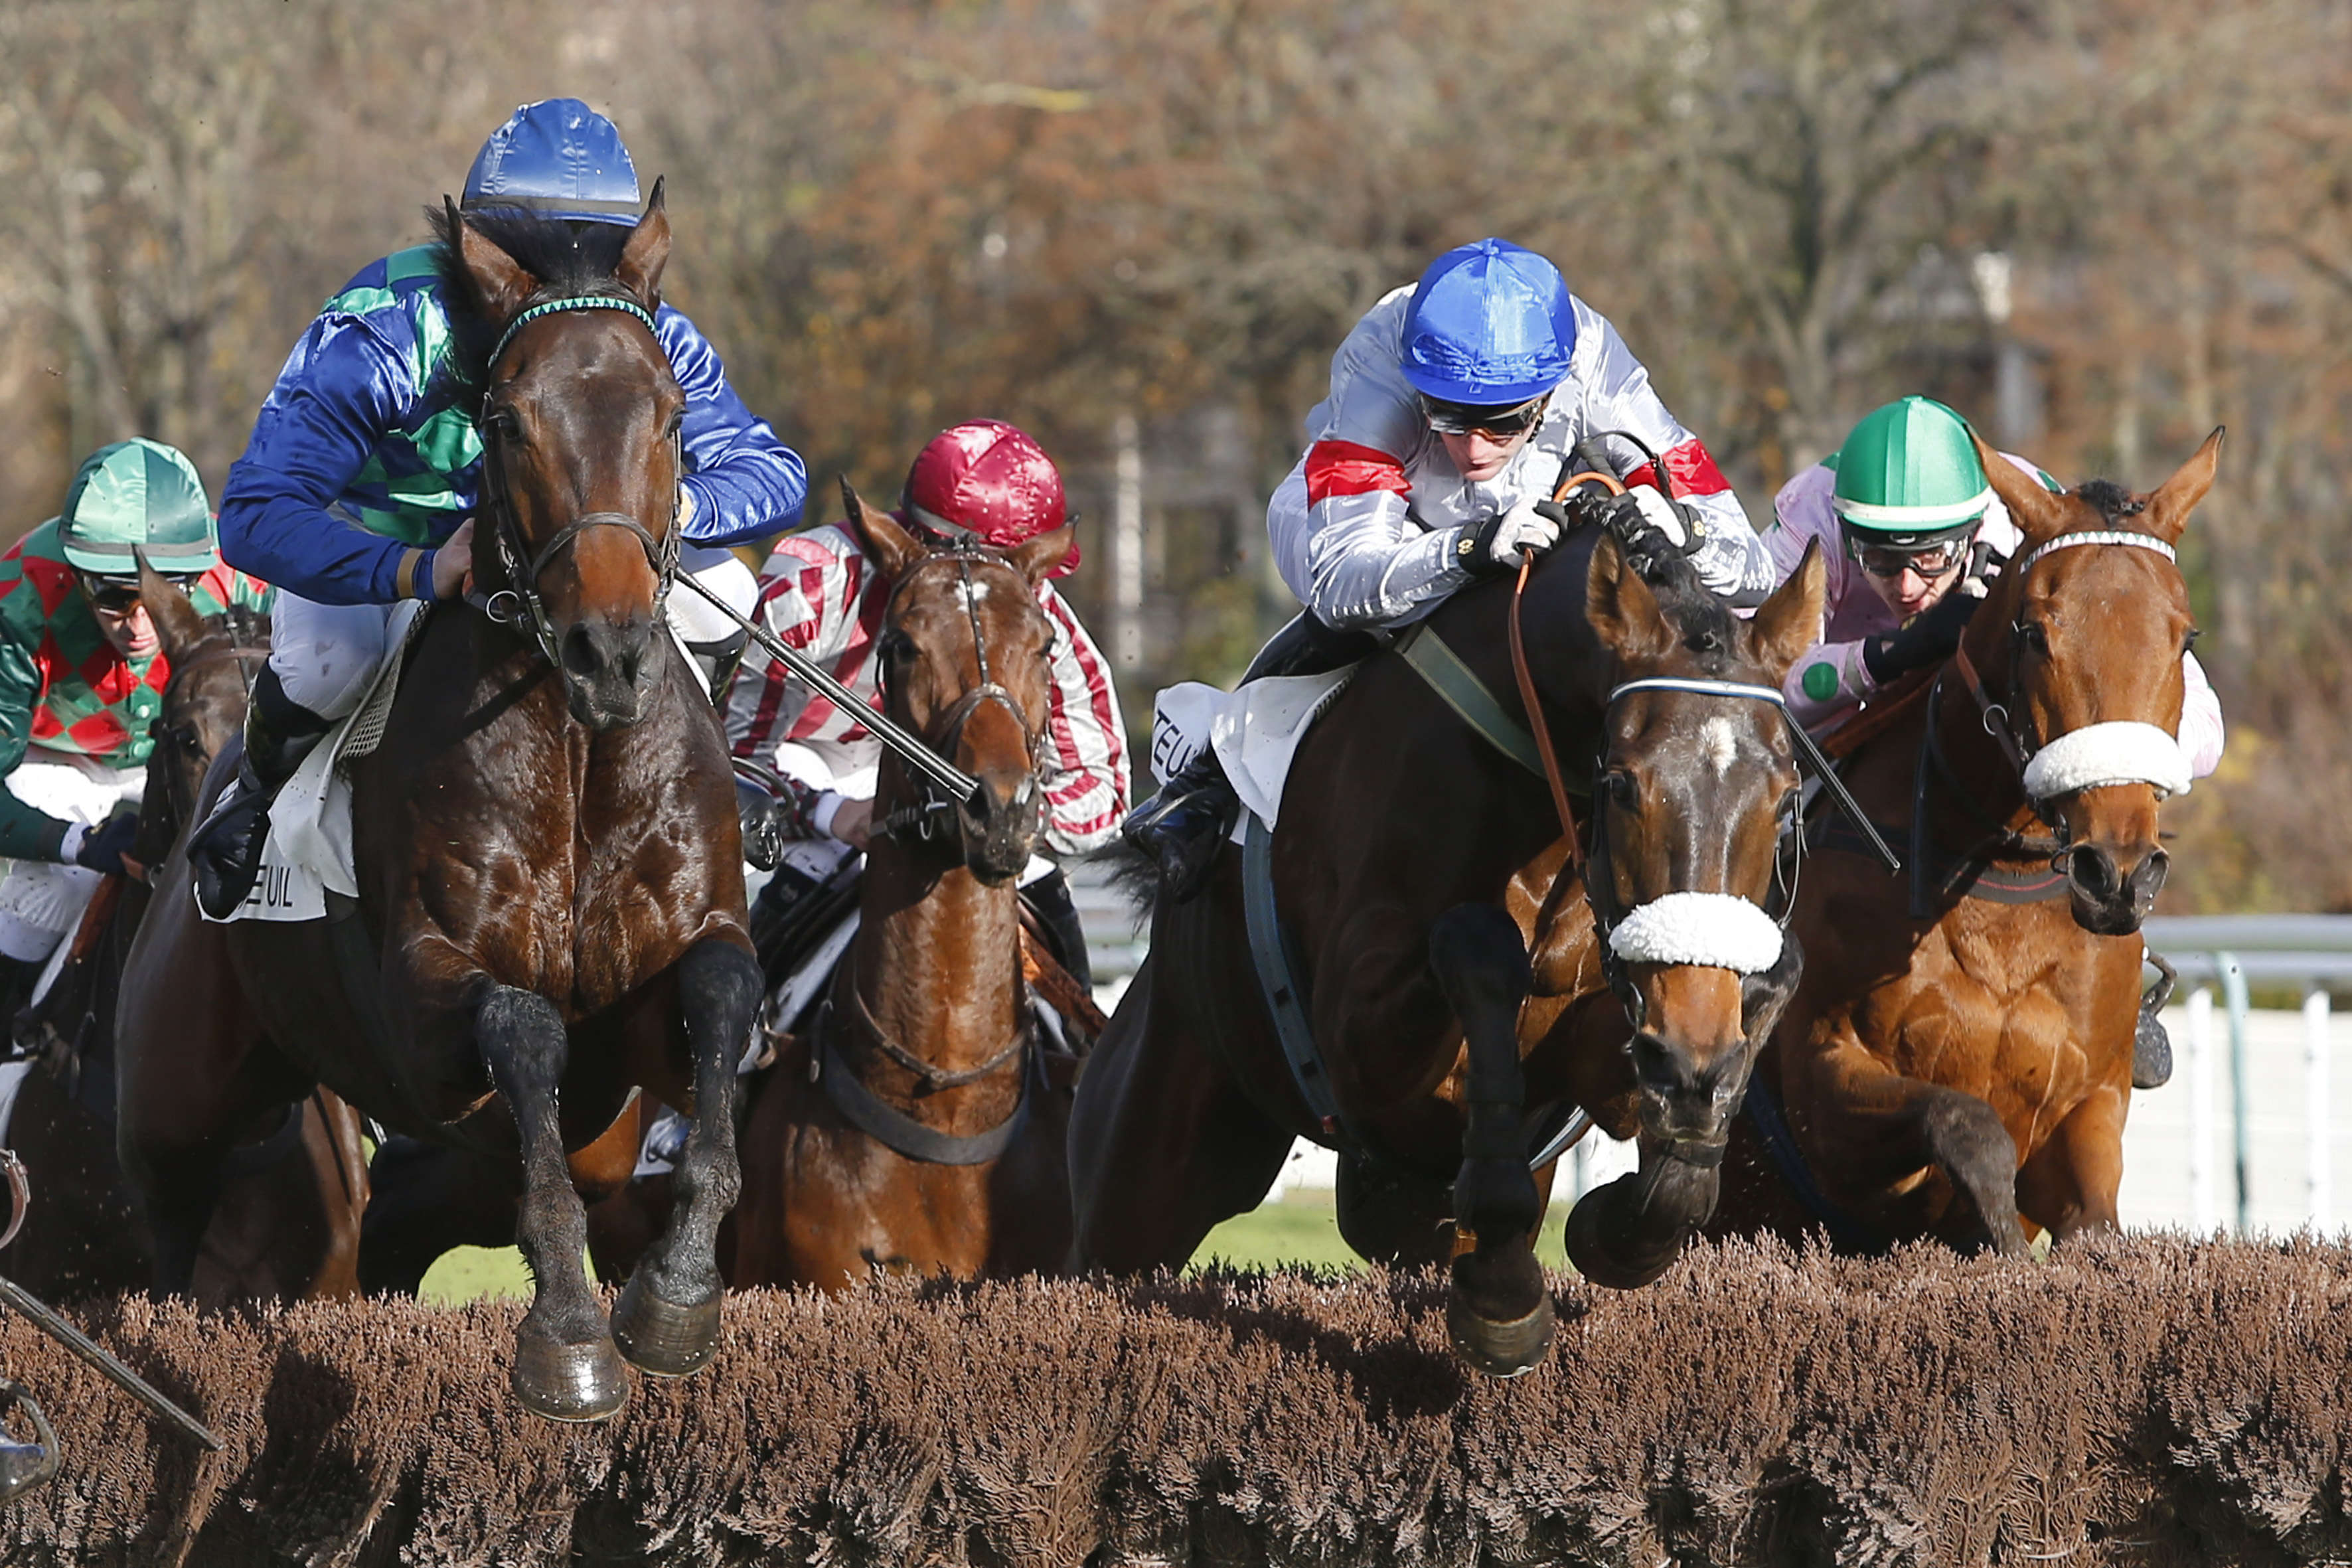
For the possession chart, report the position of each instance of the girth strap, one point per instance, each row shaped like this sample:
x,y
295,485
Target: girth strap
x,y
1277,979
1847,1233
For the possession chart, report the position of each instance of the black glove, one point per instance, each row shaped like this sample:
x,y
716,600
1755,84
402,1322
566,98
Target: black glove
x,y
104,846
764,819
1927,638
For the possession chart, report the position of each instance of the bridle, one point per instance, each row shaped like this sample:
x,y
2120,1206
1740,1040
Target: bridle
x,y
2018,742
519,603
919,821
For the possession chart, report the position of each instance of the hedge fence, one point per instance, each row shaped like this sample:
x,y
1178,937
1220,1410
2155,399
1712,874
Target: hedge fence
x,y
2147,1400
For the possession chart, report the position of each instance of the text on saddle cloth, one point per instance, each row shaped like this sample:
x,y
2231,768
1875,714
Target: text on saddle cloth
x,y
309,853
1255,731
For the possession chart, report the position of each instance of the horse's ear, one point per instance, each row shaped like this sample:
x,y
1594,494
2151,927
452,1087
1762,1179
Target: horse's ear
x,y
1032,558
2169,504
178,628
1789,622
1623,610
2038,512
647,252
894,549
500,284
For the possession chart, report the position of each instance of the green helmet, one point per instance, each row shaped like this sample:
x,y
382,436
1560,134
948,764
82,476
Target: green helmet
x,y
138,496
1908,476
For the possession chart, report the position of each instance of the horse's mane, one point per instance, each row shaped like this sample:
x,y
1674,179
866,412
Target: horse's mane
x,y
2109,500
1707,623
570,258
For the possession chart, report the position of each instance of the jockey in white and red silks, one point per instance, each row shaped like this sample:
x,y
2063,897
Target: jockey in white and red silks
x,y
822,595
1454,409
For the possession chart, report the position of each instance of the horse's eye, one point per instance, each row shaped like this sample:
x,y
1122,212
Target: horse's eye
x,y
676,419
897,646
2032,634
1621,788
504,423
2189,638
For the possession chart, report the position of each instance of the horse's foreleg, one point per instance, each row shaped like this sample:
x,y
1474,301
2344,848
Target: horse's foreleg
x,y
1498,1312
565,1365
667,1320
2071,1182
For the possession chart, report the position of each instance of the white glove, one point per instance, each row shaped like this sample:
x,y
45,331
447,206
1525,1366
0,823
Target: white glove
x,y
1662,514
1504,541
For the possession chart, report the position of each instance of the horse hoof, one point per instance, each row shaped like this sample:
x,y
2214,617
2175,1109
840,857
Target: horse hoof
x,y
1591,1256
1499,1350
662,1337
569,1383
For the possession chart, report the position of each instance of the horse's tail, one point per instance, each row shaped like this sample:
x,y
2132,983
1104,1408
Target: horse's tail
x,y
1134,876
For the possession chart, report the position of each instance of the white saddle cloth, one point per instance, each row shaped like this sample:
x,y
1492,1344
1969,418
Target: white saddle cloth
x,y
1255,731
310,847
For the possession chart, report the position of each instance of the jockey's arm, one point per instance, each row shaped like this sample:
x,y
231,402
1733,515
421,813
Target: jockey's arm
x,y
341,388
742,482
1617,395
26,833
1086,780
1347,546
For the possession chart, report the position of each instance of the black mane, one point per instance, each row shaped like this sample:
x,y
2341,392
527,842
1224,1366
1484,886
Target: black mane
x,y
1706,623
2110,500
570,259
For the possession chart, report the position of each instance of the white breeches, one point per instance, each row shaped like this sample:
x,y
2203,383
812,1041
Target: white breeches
x,y
40,903
325,655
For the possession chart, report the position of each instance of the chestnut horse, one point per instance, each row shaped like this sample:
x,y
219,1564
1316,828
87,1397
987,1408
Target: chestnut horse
x,y
1957,1067
1402,839
550,891
927,1139
288,1221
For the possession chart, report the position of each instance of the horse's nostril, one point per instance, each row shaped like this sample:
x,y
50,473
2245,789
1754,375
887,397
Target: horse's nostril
x,y
581,656
2147,878
2092,870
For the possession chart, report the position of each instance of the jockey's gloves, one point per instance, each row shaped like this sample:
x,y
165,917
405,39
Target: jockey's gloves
x,y
1502,542
1928,637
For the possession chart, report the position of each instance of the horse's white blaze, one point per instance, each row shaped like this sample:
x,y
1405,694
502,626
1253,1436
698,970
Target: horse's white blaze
x,y
1716,930
2113,753
1718,741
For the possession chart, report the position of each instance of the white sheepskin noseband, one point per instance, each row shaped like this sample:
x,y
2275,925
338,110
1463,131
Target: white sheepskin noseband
x,y
1712,929
2111,754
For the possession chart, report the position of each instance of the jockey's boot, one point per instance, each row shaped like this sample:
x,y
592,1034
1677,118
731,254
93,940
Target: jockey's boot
x,y
1049,900
224,850
1182,825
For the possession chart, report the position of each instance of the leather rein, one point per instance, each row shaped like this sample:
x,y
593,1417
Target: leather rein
x,y
520,603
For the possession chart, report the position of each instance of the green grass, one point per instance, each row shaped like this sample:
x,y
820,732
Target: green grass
x,y
1301,1228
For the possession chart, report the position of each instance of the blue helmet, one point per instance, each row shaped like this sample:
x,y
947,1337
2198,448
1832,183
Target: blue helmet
x,y
1491,323
558,158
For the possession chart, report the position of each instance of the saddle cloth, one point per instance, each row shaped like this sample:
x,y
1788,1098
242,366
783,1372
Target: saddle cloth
x,y
1255,731
309,853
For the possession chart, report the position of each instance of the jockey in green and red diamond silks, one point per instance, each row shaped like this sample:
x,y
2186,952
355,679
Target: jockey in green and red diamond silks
x,y
82,674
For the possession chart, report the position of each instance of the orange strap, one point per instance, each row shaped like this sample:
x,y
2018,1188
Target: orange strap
x,y
1528,698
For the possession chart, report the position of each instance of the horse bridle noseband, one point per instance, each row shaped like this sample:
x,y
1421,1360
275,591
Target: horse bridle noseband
x,y
919,821
2019,743
519,603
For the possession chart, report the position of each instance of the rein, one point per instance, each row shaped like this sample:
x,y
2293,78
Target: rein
x,y
518,603
1527,680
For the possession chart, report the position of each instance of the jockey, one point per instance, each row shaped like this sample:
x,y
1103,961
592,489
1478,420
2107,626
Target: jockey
x,y
358,487
1909,529
822,595
82,679
1455,409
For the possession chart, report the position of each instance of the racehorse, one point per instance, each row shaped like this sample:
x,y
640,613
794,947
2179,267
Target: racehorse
x,y
550,895
1401,834
288,1221
914,1127
1957,1061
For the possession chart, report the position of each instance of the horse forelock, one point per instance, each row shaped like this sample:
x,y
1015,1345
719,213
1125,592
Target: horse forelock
x,y
570,259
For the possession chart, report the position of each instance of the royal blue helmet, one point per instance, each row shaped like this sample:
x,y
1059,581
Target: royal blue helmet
x,y
558,158
1491,323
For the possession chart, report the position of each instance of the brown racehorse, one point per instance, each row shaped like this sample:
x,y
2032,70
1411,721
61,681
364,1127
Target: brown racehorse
x,y
551,893
931,1142
1950,1072
288,1221
1187,1107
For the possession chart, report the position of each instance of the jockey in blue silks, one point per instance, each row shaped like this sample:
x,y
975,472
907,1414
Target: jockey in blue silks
x,y
358,488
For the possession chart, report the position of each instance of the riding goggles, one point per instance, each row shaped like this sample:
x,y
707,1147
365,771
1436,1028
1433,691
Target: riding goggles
x,y
1502,423
119,595
1931,561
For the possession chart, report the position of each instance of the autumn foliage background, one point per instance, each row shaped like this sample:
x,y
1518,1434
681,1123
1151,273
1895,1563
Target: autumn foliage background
x,y
2098,226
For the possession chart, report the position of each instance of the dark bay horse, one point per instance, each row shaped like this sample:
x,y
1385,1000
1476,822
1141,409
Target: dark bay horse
x,y
1957,1067
930,1140
551,894
287,1224
1400,843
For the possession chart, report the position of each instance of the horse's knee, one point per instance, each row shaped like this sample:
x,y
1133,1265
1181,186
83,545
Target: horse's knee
x,y
1965,1136
722,978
